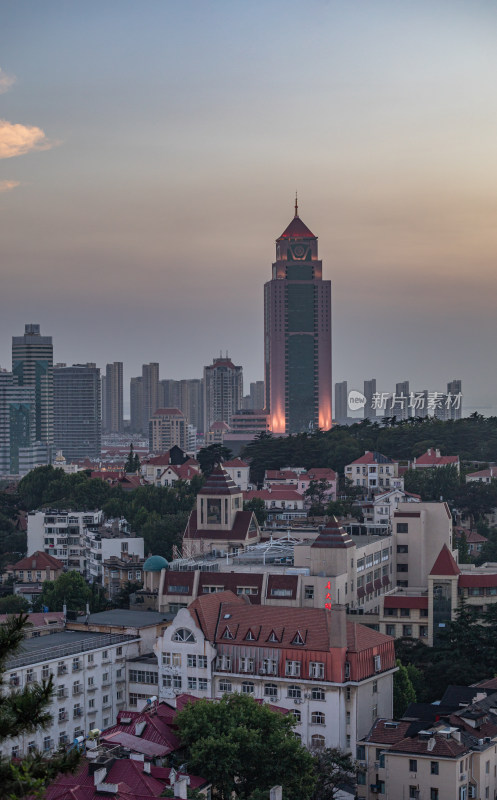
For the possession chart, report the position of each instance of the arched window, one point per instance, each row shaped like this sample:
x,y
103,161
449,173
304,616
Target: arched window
x,y
294,691
317,741
317,718
270,690
183,635
247,687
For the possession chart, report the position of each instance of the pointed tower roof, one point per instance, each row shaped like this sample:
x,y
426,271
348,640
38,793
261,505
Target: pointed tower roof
x,y
219,482
333,535
297,229
445,563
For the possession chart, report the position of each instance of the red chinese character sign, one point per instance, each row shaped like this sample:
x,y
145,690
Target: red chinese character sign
x,y
327,603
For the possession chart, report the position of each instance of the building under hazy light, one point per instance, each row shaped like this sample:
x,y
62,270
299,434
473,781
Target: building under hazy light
x,y
297,335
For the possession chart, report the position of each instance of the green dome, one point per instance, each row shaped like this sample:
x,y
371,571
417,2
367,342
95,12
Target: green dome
x,y
155,564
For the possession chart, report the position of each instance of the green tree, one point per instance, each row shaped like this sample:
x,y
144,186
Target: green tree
x,y
130,463
69,589
23,712
463,549
333,768
258,507
13,604
214,454
242,748
316,495
403,690
121,600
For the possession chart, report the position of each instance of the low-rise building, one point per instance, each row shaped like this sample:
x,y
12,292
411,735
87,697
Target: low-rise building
x,y
336,677
239,472
119,570
373,472
29,574
482,476
432,459
89,681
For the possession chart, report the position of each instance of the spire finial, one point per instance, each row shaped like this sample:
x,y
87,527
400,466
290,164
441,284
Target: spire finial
x,y
296,205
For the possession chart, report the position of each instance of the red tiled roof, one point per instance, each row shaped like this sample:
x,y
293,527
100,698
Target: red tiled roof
x,y
334,536
443,747
206,609
370,457
385,731
219,482
273,494
235,462
483,473
131,780
431,458
39,561
281,475
445,563
231,581
296,230
397,601
39,618
472,537
157,732
322,473
468,581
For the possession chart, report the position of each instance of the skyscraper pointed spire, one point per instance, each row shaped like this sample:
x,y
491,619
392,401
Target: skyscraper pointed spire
x,y
296,205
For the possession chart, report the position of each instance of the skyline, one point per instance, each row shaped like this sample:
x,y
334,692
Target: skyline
x,y
160,148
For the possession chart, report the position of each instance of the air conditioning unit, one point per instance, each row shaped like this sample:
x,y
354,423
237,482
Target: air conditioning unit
x,y
262,671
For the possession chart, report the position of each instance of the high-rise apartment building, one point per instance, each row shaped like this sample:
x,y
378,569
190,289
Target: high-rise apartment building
x,y
136,404
454,399
223,391
112,398
369,391
297,335
187,395
341,395
400,405
257,400
17,421
77,411
167,428
150,388
32,364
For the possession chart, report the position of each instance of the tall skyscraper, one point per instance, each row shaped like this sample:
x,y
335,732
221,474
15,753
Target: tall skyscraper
x,y
223,391
341,396
112,398
77,411
454,394
150,388
400,406
257,395
369,391
297,335
17,421
32,364
136,404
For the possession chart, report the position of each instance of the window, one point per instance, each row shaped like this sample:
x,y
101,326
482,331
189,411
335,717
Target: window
x,y
225,686
191,660
317,741
247,687
202,684
143,676
171,659
434,767
402,527
293,692
281,592
105,699
250,636
269,666
377,663
434,794
91,658
183,635
390,630
119,651
309,592
192,683
292,668
317,718
91,703
413,765
171,681
361,752
402,568
348,693
202,662
316,669
246,664
272,637
361,779
405,612
375,687
317,693
406,630
270,690
402,548
297,639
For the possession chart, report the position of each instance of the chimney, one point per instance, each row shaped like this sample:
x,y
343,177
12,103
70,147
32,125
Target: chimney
x,y
338,626
276,793
146,767
180,788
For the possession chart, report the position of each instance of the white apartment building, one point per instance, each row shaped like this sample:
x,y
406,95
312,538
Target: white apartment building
x,y
62,534
336,677
381,509
81,540
374,472
89,674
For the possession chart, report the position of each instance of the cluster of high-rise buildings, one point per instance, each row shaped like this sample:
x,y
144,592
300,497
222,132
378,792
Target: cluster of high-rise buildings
x,y
403,403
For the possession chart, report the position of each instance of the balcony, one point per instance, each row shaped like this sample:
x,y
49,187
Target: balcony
x,y
78,712
77,690
62,716
62,669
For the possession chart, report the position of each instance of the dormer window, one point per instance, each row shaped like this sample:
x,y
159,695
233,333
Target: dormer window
x,y
227,634
183,635
250,636
272,637
297,639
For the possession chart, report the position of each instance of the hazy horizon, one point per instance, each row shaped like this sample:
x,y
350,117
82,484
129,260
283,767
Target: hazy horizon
x,y
149,157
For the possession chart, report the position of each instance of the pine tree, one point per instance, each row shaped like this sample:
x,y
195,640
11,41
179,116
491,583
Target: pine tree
x,y
25,711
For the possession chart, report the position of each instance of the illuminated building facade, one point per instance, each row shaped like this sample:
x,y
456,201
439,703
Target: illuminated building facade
x,y
297,335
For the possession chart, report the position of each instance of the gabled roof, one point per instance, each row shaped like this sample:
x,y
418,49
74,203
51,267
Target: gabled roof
x,y
321,473
445,563
433,457
235,462
168,412
371,457
484,473
296,230
39,561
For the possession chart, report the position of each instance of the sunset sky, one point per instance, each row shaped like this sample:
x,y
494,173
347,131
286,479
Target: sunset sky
x,y
150,152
